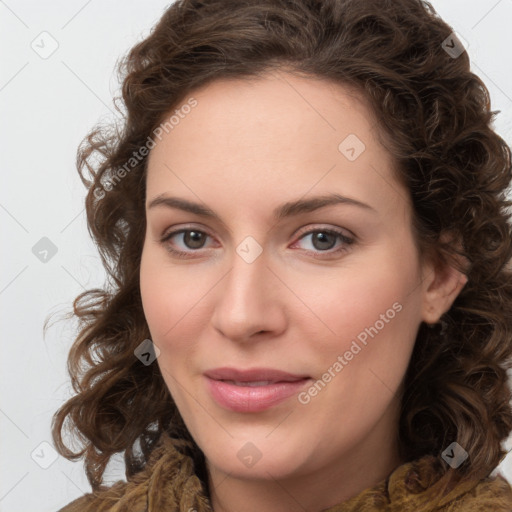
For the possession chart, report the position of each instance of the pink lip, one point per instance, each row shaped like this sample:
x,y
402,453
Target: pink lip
x,y
241,398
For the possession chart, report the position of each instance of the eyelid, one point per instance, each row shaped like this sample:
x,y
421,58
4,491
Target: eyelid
x,y
346,236
301,233
346,241
194,226
298,233
170,232
324,227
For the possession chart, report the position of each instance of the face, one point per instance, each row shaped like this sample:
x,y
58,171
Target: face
x,y
285,305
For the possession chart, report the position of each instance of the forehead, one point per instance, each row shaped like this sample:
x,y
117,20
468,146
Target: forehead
x,y
272,134
277,104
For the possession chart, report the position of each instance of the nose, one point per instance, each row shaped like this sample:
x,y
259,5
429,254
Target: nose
x,y
249,301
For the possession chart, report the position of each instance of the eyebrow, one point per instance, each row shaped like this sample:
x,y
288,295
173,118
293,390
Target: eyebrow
x,y
286,210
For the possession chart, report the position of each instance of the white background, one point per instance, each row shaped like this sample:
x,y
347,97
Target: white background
x,y
47,107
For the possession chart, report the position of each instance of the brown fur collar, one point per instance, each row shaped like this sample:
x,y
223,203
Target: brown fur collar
x,y
168,484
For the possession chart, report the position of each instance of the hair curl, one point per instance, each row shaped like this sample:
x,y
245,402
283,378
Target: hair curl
x,y
434,117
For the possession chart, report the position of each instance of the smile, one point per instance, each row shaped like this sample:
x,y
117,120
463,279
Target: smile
x,y
252,390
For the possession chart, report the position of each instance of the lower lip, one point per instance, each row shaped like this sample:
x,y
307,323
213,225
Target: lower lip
x,y
252,398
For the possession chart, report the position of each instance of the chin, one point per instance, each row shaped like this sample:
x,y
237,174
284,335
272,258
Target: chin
x,y
259,458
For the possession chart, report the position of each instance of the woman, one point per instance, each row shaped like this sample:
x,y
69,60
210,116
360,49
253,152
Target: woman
x,y
305,225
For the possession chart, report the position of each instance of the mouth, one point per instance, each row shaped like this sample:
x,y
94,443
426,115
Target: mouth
x,y
250,383
252,390
265,375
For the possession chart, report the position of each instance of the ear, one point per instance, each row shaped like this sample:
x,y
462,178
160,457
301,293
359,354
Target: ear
x,y
442,283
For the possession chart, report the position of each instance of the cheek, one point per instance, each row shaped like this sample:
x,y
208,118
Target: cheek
x,y
378,324
174,310
371,305
157,301
360,363
167,306
381,295
370,316
168,298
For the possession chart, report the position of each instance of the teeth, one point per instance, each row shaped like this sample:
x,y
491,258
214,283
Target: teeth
x,y
252,383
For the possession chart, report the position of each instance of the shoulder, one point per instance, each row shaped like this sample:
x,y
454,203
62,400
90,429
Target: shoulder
x,y
82,504
131,494
100,501
490,494
167,479
424,484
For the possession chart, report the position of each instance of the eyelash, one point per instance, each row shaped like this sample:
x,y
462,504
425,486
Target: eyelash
x,y
347,241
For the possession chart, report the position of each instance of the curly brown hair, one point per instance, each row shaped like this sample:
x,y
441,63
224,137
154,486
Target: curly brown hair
x,y
434,117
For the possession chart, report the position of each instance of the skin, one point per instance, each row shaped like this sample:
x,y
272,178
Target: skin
x,y
246,148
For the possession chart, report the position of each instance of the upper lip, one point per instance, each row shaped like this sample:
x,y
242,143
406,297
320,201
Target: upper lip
x,y
253,375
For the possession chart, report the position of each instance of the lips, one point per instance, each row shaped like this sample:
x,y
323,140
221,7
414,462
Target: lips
x,y
253,375
252,390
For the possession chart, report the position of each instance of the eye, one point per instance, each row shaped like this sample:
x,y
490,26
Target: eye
x,y
192,239
323,240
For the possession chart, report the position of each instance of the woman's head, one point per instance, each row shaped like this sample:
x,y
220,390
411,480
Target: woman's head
x,y
333,296
243,108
